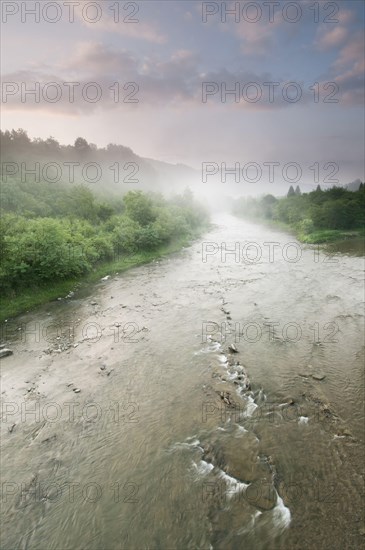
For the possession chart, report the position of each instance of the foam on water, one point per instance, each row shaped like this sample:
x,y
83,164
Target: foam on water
x,y
195,444
281,514
215,346
234,486
241,429
251,406
203,468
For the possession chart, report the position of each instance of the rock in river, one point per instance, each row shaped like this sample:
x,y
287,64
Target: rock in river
x,y
318,376
261,494
236,457
233,348
5,352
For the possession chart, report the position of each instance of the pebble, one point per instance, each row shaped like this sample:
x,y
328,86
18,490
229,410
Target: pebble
x,y
318,376
233,348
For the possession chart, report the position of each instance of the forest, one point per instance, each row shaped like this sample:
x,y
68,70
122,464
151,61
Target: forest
x,y
315,217
52,232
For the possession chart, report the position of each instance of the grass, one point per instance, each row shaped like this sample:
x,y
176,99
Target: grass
x,y
28,298
321,236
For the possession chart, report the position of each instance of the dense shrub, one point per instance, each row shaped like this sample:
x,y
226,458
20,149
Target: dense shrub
x,y
333,209
78,231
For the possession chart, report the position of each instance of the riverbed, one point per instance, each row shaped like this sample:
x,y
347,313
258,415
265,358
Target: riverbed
x,y
212,399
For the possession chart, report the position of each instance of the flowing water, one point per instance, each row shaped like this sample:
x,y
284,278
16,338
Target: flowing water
x,y
158,434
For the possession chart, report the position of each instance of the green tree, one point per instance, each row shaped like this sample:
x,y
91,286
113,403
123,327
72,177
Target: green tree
x,y
139,208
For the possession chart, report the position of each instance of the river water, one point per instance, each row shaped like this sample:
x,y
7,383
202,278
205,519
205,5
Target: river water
x,y
158,434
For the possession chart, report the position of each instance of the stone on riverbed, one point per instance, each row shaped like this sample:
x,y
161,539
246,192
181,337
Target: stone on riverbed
x,y
237,457
233,348
5,352
261,494
318,376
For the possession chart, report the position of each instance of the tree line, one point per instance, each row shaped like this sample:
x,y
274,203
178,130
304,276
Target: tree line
x,y
50,233
315,216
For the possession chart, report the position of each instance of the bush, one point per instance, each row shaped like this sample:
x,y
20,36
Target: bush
x,y
38,250
44,249
306,226
125,234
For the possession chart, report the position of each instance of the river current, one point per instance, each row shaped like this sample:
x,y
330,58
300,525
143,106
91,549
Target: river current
x,y
212,399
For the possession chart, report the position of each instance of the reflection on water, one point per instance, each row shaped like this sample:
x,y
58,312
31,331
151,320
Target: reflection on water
x,y
353,247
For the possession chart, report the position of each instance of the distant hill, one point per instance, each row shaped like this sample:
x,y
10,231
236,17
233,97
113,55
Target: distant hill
x,y
120,169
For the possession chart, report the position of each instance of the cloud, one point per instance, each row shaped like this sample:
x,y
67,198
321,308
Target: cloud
x,y
95,58
174,82
349,69
331,38
255,39
353,51
127,23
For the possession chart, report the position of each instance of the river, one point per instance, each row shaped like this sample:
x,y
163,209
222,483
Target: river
x,y
206,400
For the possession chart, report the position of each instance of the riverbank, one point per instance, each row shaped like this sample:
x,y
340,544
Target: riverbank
x,y
320,236
31,297
323,236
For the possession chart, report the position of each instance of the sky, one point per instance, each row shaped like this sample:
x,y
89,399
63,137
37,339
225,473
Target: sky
x,y
193,82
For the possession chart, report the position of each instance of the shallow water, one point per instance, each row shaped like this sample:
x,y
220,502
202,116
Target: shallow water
x,y
148,454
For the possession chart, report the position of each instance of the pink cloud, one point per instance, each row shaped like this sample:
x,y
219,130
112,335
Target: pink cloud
x,y
331,38
353,51
139,30
349,69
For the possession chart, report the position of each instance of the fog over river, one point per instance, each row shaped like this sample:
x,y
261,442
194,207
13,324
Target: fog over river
x,y
205,400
